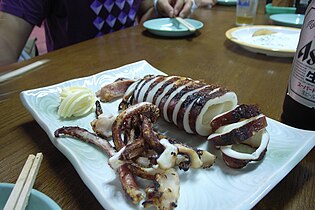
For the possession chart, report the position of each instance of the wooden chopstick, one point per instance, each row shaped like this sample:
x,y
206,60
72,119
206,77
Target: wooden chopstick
x,y
19,196
186,24
22,70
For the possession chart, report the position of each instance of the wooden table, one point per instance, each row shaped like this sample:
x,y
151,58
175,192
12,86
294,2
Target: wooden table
x,y
257,79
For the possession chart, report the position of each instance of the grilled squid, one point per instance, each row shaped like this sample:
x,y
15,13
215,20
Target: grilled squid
x,y
114,90
199,108
139,151
170,153
189,104
241,135
127,179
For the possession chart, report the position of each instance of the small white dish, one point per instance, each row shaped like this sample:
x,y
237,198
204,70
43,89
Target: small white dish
x,y
37,200
294,20
169,27
227,2
282,43
218,187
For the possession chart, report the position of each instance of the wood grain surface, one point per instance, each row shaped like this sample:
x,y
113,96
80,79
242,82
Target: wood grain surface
x,y
257,79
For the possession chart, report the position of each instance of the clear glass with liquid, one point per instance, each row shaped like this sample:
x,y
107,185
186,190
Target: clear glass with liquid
x,y
246,12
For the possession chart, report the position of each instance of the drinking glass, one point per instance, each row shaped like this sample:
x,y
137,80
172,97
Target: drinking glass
x,y
246,12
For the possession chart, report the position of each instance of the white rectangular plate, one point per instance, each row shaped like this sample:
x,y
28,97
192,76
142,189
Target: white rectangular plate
x,y
218,187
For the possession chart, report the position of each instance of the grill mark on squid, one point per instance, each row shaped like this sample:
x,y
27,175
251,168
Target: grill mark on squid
x,y
141,84
161,89
169,98
200,103
136,92
193,86
185,122
191,98
145,88
155,89
177,84
183,99
151,87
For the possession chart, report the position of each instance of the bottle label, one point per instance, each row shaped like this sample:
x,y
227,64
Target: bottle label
x,y
302,81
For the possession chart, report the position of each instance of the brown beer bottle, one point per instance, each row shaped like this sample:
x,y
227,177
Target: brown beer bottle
x,y
299,102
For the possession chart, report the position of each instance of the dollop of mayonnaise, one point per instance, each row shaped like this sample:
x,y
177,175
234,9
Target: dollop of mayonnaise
x,y
76,101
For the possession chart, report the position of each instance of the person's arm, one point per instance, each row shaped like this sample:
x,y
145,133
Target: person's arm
x,y
14,32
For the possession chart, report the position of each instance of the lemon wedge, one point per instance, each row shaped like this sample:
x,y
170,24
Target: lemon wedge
x,y
76,101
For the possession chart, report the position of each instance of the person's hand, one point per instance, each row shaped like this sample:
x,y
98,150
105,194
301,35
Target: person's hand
x,y
205,3
174,8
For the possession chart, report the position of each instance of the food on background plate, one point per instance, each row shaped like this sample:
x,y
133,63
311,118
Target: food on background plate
x,y
274,40
76,101
262,32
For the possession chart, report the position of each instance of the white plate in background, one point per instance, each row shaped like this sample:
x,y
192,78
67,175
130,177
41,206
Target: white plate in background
x,y
218,187
282,43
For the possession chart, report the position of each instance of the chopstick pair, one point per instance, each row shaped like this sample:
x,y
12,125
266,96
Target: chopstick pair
x,y
20,194
189,26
